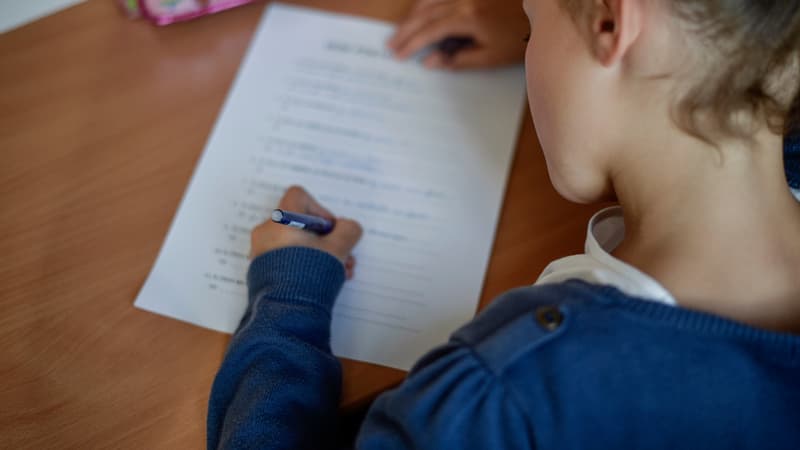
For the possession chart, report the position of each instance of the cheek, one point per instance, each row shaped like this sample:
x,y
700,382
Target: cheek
x,y
550,63
540,88
546,99
559,98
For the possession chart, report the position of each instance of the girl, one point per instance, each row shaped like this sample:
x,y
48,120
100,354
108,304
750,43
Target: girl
x,y
679,327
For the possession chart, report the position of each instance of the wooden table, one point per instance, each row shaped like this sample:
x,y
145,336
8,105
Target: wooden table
x,y
101,122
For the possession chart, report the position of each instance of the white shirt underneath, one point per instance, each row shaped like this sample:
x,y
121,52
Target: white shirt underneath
x,y
606,231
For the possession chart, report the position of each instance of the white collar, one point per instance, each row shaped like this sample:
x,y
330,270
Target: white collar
x,y
605,232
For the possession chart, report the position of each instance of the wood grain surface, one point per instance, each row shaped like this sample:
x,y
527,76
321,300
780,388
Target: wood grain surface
x,y
102,120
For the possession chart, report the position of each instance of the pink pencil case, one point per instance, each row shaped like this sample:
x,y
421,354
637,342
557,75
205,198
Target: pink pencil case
x,y
165,12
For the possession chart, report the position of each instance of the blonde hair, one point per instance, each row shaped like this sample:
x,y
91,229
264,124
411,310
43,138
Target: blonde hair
x,y
750,52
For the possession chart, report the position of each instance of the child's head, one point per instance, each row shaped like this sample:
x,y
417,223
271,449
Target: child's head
x,y
606,75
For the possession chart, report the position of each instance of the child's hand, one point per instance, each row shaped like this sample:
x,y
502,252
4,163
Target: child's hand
x,y
339,242
498,28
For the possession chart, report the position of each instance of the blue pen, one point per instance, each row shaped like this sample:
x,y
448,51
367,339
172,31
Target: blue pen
x,y
306,222
451,45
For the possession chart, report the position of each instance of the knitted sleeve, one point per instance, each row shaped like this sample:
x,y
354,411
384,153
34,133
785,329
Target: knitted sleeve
x,y
279,385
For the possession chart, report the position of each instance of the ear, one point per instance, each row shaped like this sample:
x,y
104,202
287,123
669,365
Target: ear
x,y
615,26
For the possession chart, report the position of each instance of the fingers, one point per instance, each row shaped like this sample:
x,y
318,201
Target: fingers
x,y
256,236
464,59
419,20
339,242
299,200
346,233
437,60
432,34
349,266
344,237
405,31
468,59
294,199
492,26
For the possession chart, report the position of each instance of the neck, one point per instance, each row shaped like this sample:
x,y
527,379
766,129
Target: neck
x,y
717,227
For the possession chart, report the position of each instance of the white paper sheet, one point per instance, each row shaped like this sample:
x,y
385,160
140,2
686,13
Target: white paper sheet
x,y
15,13
420,158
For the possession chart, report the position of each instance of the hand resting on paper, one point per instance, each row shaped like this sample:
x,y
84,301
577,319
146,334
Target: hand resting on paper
x,y
339,243
498,28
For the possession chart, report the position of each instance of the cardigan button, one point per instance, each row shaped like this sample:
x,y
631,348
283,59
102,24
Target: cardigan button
x,y
549,317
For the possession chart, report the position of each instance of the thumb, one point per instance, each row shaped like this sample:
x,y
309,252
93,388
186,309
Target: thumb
x,y
345,235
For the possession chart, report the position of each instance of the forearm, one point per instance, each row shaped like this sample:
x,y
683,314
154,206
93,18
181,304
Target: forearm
x,y
279,385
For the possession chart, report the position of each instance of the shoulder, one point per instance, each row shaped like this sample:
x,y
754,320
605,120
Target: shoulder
x,y
522,320
591,357
526,320
467,394
562,365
